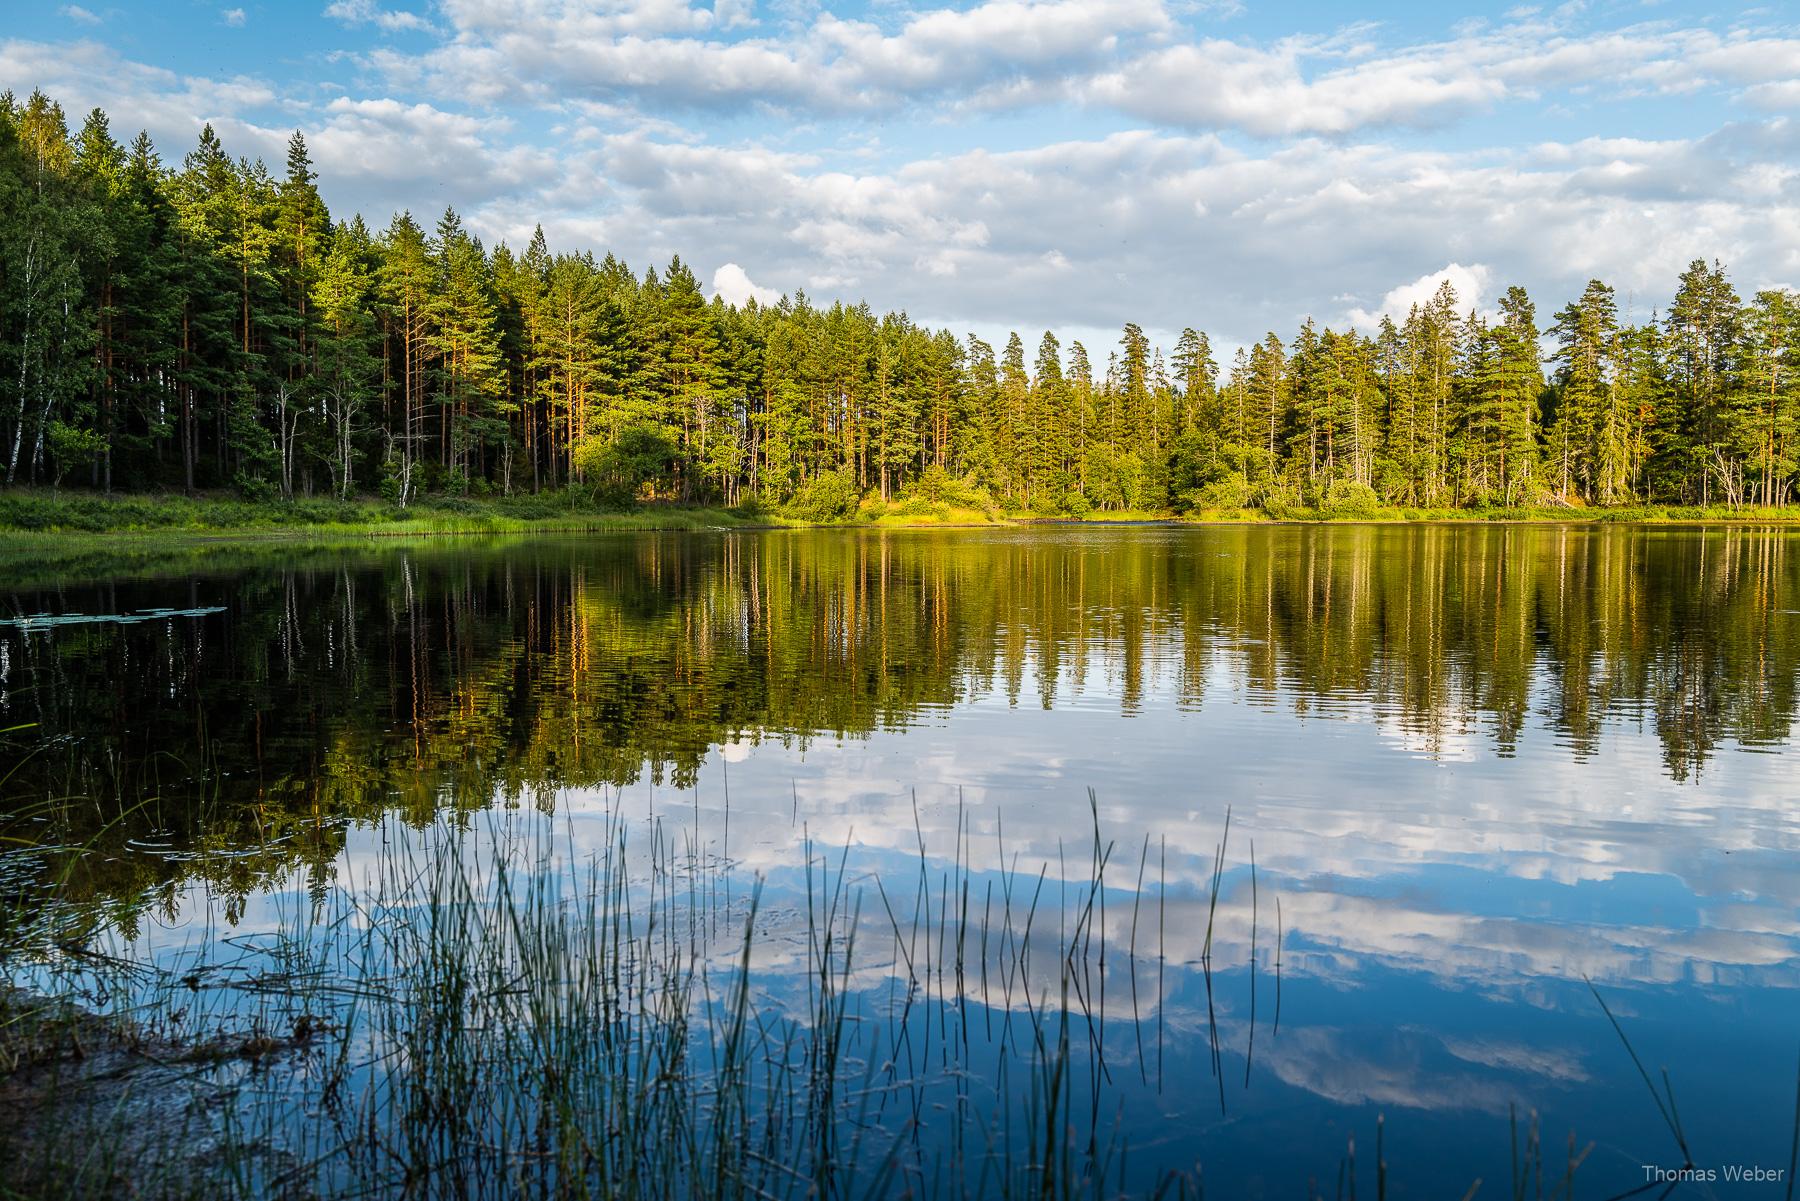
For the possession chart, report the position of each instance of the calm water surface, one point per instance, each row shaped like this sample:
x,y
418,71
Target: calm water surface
x,y
1476,767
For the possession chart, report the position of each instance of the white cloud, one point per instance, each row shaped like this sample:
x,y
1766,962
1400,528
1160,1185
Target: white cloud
x,y
172,107
80,15
1266,92
233,17
733,14
669,52
1470,284
1776,95
366,12
391,155
731,282
1126,56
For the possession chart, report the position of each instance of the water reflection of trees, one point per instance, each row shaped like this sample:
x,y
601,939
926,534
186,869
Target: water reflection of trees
x,y
437,678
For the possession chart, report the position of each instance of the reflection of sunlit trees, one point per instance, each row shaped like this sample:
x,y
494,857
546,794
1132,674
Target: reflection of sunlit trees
x,y
339,688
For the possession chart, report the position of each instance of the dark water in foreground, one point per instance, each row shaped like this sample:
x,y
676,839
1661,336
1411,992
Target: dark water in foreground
x,y
1476,768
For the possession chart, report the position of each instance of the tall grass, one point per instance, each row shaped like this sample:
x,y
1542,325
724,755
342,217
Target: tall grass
x,y
492,1014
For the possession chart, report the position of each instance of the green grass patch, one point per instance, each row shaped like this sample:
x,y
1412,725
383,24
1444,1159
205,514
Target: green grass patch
x,y
39,512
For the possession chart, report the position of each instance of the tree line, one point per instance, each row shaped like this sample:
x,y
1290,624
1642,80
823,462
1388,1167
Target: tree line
x,y
211,325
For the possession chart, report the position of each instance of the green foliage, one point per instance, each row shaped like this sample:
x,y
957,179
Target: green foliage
x,y
1349,498
72,447
918,506
637,464
30,511
939,488
827,497
254,488
1284,502
1230,491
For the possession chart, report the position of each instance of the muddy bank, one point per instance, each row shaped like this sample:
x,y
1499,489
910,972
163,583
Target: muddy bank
x,y
99,1106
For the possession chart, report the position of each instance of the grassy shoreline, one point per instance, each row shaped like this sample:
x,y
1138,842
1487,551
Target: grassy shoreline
x,y
34,517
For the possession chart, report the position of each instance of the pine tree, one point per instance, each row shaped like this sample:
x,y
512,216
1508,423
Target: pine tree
x,y
407,285
1266,400
465,339
694,382
568,365
1518,383
1586,438
1766,417
210,367
1703,327
1197,374
345,350
145,323
99,168
1043,453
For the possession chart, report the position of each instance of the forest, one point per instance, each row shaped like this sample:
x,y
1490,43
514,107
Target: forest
x,y
209,325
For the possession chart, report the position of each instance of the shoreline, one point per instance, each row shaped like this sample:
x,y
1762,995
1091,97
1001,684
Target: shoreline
x,y
31,520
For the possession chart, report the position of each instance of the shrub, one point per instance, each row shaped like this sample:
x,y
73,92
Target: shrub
x,y
1283,502
915,506
74,447
828,496
640,458
941,488
751,506
1349,498
1231,491
390,482
254,489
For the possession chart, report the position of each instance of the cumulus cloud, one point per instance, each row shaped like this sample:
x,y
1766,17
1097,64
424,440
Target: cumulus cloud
x,y
392,155
1132,57
733,284
1267,92
1783,94
671,53
1469,283
233,17
80,15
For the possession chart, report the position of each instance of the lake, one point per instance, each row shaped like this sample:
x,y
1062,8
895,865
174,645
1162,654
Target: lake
x,y
1379,816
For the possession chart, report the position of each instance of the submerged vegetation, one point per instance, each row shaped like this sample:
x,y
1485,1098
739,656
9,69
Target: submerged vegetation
x,y
212,326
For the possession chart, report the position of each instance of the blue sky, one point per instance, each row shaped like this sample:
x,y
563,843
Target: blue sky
x,y
1007,163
